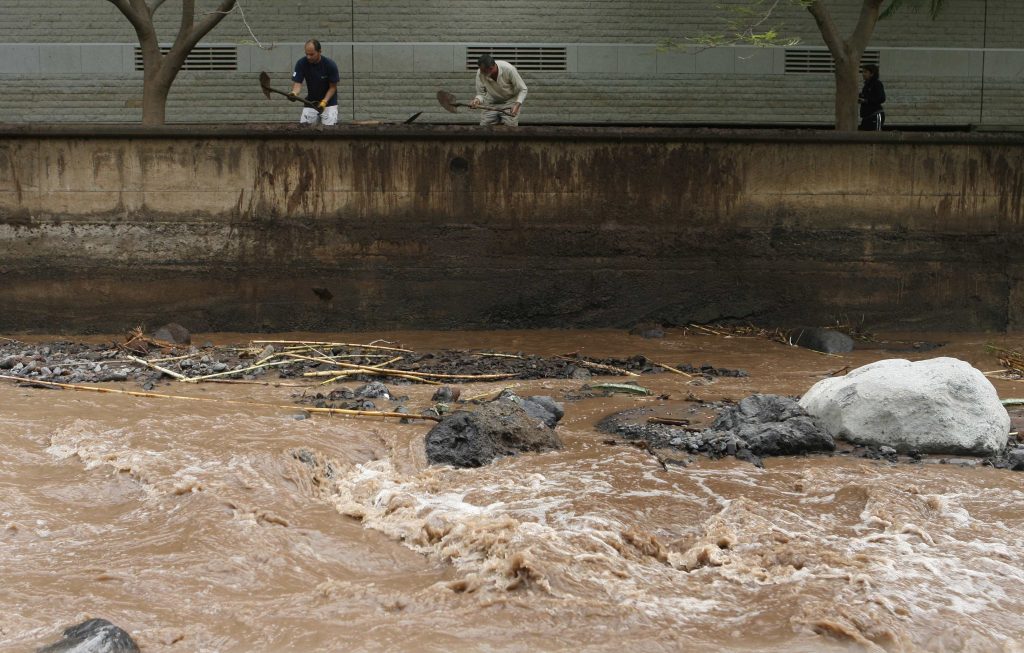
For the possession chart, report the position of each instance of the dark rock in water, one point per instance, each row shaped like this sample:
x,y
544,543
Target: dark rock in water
x,y
498,428
446,394
93,636
823,340
770,425
710,370
1015,459
343,393
173,332
373,390
760,425
539,407
578,373
648,330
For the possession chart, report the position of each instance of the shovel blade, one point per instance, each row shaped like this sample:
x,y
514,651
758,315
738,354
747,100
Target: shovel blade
x,y
447,100
265,84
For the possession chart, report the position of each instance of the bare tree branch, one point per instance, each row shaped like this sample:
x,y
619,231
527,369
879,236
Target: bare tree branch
x,y
865,25
188,17
137,13
191,32
829,32
154,6
241,12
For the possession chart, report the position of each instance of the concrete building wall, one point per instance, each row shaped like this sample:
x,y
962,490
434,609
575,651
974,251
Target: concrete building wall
x,y
966,68
224,228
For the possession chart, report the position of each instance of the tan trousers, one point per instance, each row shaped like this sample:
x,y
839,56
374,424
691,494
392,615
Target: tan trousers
x,y
496,117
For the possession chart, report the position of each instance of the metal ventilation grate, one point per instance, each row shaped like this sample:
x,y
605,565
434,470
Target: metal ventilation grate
x,y
214,57
819,60
522,57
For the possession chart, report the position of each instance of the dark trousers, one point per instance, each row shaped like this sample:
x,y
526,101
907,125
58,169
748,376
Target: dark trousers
x,y
873,122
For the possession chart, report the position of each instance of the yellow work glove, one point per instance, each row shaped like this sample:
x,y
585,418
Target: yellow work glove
x,y
292,95
323,104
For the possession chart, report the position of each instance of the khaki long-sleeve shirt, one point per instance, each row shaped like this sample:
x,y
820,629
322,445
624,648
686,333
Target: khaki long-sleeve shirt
x,y
508,86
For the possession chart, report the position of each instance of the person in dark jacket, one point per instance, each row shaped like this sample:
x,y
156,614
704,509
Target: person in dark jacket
x,y
872,97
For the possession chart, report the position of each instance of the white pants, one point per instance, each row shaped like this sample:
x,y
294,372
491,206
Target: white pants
x,y
328,117
497,117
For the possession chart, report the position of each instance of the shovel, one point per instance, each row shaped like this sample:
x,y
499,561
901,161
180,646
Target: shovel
x,y
265,85
447,101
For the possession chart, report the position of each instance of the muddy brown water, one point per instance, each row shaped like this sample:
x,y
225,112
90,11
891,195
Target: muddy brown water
x,y
193,526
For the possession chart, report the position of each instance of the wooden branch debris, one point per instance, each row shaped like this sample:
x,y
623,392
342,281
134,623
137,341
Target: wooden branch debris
x,y
157,395
672,369
1012,360
597,366
162,370
300,344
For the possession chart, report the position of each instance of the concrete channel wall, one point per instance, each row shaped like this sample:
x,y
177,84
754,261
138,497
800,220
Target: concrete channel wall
x,y
275,228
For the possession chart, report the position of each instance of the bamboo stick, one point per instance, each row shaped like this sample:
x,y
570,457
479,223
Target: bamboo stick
x,y
491,392
170,359
314,343
427,375
496,355
341,375
672,369
283,384
157,395
197,379
704,328
598,366
163,370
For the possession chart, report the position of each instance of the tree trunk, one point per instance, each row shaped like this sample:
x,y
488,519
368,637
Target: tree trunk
x,y
847,91
161,69
154,101
846,54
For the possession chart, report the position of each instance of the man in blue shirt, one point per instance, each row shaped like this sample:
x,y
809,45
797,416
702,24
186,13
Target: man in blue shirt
x,y
321,77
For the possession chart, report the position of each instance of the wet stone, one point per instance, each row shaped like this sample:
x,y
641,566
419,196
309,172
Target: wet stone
x,y
373,390
648,330
446,394
93,636
498,428
1015,459
824,340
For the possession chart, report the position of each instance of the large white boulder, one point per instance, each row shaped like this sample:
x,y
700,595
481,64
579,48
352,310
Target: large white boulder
x,y
941,405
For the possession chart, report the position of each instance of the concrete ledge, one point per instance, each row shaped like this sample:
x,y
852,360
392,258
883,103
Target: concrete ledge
x,y
595,133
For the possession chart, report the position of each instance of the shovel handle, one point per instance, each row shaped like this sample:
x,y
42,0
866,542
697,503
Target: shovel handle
x,y
295,98
485,107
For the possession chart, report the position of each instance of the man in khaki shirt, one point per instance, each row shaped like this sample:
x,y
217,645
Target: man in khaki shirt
x,y
498,84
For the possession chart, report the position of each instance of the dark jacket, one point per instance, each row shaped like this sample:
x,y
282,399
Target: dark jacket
x,y
873,96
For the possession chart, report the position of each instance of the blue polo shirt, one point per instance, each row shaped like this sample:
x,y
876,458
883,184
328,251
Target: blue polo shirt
x,y
318,77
